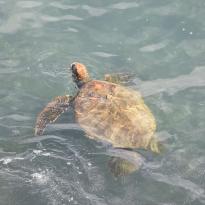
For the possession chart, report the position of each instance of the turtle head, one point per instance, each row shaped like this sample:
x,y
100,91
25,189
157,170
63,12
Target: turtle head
x,y
79,73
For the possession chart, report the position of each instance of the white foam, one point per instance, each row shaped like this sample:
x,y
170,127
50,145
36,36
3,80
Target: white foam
x,y
6,160
37,151
47,154
40,178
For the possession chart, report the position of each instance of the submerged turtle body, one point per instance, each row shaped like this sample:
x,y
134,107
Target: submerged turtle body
x,y
109,112
113,113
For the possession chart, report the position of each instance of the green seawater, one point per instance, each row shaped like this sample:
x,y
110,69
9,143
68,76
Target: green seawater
x,y
161,42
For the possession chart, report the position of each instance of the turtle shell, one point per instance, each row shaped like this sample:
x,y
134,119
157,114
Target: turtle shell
x,y
115,114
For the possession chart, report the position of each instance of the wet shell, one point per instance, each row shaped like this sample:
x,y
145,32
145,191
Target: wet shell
x,y
115,114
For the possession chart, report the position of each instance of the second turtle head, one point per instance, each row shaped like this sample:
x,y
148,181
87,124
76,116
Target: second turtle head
x,y
79,73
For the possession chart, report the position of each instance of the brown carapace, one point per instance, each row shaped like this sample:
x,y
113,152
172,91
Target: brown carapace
x,y
106,111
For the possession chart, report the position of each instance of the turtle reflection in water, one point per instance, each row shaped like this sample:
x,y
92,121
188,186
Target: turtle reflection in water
x,y
109,112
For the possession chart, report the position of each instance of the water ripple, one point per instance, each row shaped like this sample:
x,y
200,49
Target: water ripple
x,y
103,54
29,4
15,22
16,117
193,48
170,9
154,47
63,6
124,5
48,18
39,139
76,181
94,11
171,86
196,190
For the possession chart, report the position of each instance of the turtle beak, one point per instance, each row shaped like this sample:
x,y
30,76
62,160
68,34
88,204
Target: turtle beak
x,y
73,67
74,70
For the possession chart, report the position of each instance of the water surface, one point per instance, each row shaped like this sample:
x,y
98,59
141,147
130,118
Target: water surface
x,y
162,42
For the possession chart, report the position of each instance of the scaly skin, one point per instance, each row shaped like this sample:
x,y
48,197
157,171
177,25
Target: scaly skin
x,y
51,112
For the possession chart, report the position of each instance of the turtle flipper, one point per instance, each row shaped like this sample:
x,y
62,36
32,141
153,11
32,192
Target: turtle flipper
x,y
156,146
121,167
118,78
51,112
124,162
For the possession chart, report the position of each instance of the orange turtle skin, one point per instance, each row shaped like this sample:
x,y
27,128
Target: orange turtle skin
x,y
115,114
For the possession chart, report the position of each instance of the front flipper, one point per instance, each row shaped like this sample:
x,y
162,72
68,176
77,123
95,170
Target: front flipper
x,y
118,78
51,112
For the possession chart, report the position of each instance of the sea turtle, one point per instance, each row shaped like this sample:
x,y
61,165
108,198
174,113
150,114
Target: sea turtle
x,y
107,111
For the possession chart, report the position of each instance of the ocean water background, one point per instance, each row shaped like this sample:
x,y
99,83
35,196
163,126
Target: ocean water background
x,y
161,42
